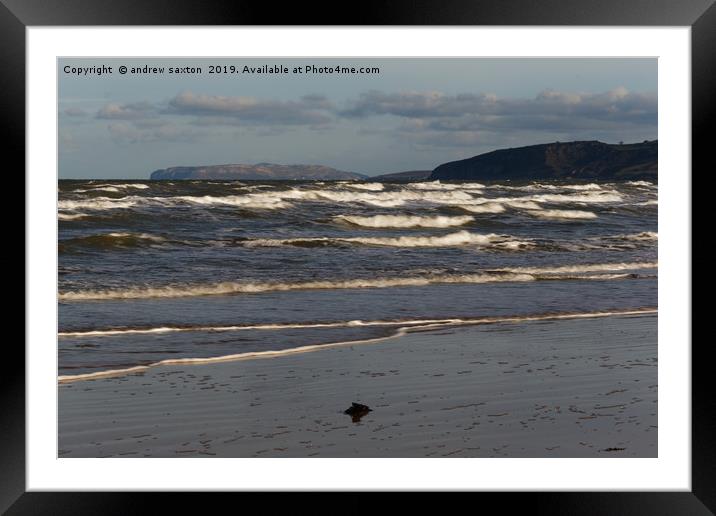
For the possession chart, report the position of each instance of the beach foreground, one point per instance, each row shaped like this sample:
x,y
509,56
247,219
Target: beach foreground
x,y
555,388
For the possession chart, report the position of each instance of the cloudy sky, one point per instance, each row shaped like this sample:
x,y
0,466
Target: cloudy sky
x,y
413,115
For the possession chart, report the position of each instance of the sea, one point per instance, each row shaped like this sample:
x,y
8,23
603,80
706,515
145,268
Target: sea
x,y
160,272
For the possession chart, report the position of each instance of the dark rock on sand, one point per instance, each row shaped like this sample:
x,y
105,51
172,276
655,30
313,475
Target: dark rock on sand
x,y
357,411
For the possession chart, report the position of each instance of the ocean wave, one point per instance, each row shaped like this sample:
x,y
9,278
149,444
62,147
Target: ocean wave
x,y
460,195
373,187
459,238
402,328
644,236
111,188
252,288
536,187
585,268
534,202
98,203
613,242
385,203
111,332
486,207
71,216
588,197
139,186
225,288
244,327
250,201
383,199
437,185
563,214
110,240
404,221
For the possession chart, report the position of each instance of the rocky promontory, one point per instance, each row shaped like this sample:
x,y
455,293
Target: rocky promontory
x,y
260,171
559,160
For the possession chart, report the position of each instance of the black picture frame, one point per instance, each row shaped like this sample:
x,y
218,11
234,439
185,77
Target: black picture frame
x,y
700,15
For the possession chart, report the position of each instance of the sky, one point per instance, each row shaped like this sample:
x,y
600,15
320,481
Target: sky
x,y
414,114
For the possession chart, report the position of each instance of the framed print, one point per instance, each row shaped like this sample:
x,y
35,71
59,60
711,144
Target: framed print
x,y
431,249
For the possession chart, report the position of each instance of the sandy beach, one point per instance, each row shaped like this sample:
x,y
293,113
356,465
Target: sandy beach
x,y
555,388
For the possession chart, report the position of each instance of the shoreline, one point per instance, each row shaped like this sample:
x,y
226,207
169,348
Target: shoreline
x,y
564,387
400,331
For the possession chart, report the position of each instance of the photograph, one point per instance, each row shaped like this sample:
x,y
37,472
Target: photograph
x,y
395,257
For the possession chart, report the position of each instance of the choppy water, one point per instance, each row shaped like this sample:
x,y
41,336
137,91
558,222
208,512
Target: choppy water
x,y
241,267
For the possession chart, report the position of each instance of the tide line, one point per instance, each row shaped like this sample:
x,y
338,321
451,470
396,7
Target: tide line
x,y
403,330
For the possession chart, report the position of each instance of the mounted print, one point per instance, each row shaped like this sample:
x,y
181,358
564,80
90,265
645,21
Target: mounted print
x,y
358,257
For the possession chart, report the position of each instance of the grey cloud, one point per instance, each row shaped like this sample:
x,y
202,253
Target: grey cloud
x,y
311,110
616,105
133,111
417,104
440,120
74,112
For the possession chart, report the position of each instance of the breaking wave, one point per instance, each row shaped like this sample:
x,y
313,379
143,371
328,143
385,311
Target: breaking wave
x,y
374,187
404,221
459,238
487,207
71,216
488,276
437,185
563,214
111,240
98,203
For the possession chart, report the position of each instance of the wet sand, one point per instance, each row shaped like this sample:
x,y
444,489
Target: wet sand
x,y
557,388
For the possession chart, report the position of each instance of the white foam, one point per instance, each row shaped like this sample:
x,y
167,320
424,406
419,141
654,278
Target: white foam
x,y
523,205
98,203
405,221
374,187
232,328
540,187
459,238
71,216
138,186
562,214
586,197
266,201
107,189
141,236
513,274
250,288
585,268
648,236
529,202
384,198
437,186
385,203
499,205
487,207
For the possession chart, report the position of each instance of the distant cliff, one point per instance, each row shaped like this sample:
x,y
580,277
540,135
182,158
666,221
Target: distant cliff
x,y
569,160
265,171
